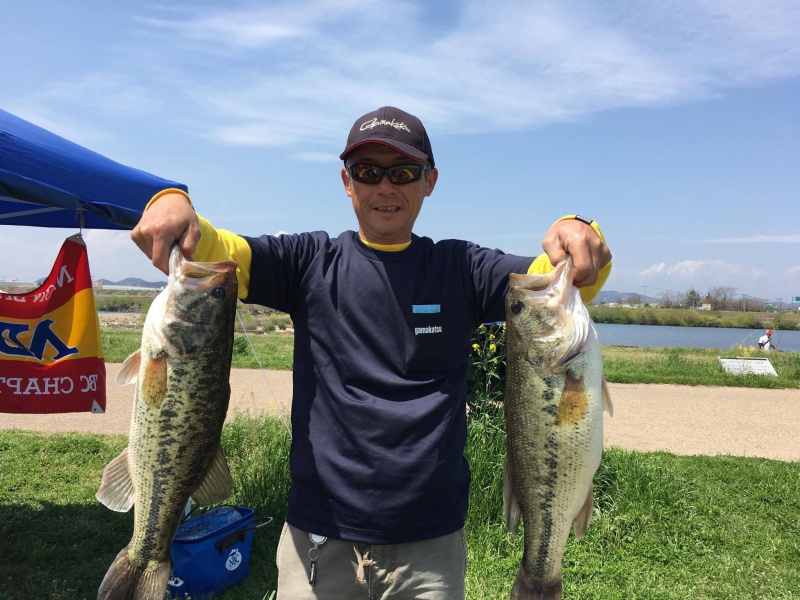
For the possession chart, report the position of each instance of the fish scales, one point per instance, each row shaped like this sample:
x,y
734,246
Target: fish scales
x,y
182,372
555,393
170,449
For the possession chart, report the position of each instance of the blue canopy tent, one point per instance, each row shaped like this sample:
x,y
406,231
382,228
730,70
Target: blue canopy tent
x,y
48,181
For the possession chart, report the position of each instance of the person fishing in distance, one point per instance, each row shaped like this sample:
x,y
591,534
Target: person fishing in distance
x,y
765,341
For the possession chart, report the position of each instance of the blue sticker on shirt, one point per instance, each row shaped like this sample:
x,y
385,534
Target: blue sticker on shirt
x,y
425,309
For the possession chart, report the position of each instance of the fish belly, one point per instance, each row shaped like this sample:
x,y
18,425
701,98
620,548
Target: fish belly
x,y
553,451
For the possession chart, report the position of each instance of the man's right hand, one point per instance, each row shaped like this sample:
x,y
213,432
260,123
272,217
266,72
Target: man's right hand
x,y
169,219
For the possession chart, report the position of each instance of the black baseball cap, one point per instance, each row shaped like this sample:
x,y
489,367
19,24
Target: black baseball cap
x,y
394,128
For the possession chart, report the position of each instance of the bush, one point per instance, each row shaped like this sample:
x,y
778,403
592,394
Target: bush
x,y
486,377
241,347
747,321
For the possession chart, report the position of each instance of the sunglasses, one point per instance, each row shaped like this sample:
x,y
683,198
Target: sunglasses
x,y
398,175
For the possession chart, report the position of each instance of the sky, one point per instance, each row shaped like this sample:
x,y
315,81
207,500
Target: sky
x,y
675,125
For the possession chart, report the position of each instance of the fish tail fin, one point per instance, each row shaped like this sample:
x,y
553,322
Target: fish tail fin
x,y
526,588
127,581
510,504
581,522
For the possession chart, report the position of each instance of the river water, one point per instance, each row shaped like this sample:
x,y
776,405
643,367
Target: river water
x,y
660,336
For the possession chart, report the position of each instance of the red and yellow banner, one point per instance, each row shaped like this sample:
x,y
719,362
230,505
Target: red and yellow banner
x,y
51,360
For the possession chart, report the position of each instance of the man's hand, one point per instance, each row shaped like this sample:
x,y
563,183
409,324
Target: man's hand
x,y
589,252
169,219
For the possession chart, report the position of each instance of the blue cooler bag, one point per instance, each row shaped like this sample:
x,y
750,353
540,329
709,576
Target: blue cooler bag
x,y
211,551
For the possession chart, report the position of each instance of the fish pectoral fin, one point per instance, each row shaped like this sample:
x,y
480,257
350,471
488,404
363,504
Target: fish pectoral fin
x,y
574,403
607,399
217,485
510,504
130,368
581,522
154,382
117,491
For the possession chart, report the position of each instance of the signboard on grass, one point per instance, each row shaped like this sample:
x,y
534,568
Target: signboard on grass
x,y
743,365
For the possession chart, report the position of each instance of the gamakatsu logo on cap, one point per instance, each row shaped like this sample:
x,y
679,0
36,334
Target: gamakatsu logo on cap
x,y
376,123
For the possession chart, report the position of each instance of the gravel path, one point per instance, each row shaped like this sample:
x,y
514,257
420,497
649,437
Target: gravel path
x,y
673,418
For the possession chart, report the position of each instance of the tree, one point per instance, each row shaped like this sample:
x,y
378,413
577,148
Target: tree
x,y
669,299
722,298
634,299
692,299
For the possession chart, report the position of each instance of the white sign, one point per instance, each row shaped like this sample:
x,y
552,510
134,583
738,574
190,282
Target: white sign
x,y
742,365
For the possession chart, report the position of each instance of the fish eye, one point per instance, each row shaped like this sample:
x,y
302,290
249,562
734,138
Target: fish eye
x,y
516,307
219,293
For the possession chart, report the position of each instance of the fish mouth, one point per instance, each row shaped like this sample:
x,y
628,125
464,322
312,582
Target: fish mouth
x,y
200,277
554,299
556,284
185,269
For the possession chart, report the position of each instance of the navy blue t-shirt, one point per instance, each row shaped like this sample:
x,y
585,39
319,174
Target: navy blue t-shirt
x,y
381,351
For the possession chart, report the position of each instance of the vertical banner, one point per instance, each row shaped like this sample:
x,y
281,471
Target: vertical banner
x,y
51,360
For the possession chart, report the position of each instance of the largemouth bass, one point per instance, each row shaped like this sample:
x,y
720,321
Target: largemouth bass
x,y
182,373
555,393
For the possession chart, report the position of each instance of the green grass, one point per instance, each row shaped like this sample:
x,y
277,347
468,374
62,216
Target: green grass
x,y
57,541
664,526
274,348
685,317
118,344
690,366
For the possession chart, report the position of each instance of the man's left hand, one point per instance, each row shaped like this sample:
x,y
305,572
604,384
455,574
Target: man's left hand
x,y
589,252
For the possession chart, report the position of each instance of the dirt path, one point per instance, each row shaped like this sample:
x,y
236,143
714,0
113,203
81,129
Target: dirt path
x,y
677,419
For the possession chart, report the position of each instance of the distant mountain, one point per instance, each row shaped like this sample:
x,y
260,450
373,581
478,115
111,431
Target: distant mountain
x,y
608,296
136,282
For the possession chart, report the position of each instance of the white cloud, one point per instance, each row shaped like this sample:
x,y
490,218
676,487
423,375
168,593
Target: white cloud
x,y
690,269
792,238
701,275
294,73
653,270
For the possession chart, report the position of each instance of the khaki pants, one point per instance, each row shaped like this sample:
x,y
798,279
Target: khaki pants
x,y
431,569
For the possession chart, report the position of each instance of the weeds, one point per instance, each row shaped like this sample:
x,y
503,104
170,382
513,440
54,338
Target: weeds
x,y
692,318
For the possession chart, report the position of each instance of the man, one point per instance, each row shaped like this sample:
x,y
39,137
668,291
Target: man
x,y
765,341
383,321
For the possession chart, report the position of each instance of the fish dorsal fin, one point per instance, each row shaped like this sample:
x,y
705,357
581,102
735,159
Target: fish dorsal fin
x,y
116,490
130,368
581,522
607,404
153,385
510,504
217,485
